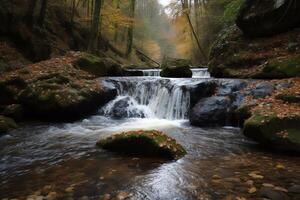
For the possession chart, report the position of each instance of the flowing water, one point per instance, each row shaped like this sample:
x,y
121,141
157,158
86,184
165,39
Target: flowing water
x,y
61,160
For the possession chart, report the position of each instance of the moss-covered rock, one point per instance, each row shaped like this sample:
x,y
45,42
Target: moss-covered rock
x,y
98,66
149,143
15,111
235,56
281,68
53,90
281,133
7,124
176,68
290,98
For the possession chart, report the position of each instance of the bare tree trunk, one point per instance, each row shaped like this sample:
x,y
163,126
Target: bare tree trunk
x,y
185,7
130,29
30,12
43,12
93,43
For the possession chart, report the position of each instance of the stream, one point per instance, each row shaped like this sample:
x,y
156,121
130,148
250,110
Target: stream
x,y
60,160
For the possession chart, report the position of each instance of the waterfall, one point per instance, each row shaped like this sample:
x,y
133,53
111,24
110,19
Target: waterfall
x,y
197,72
149,98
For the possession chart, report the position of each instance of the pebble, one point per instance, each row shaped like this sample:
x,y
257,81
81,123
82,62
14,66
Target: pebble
x,y
250,182
256,176
51,196
101,178
281,189
280,166
106,197
123,195
69,189
252,190
216,177
268,185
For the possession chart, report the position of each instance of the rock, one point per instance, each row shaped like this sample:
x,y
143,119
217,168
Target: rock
x,y
15,111
123,195
133,73
176,68
149,143
124,108
7,124
267,192
295,189
54,90
201,90
262,90
234,56
263,18
98,66
210,111
280,133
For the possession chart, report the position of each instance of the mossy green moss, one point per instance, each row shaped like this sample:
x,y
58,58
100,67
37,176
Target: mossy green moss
x,y
91,64
231,10
149,143
269,129
290,98
7,124
282,68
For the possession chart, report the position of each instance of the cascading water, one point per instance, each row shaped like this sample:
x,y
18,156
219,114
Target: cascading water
x,y
149,98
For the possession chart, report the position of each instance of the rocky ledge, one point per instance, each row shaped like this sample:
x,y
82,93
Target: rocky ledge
x,y
52,90
142,142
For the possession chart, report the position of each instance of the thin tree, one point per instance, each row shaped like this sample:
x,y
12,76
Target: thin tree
x,y
92,47
186,12
30,12
130,29
43,11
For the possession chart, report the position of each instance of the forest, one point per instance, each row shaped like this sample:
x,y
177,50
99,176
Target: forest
x,y
149,99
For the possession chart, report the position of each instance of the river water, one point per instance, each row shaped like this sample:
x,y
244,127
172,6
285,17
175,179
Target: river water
x,y
61,161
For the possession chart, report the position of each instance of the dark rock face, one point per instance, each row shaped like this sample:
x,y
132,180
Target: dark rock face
x,y
133,73
262,90
259,18
210,111
201,90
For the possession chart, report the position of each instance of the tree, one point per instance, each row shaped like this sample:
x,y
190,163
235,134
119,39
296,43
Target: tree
x,y
42,12
93,43
130,29
30,12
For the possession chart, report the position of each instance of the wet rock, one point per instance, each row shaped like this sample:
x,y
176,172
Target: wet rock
x,y
124,108
227,88
201,90
262,90
149,143
7,124
263,18
210,111
266,192
133,73
176,68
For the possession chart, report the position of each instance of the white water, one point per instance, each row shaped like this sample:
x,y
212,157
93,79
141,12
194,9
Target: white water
x,y
152,98
197,72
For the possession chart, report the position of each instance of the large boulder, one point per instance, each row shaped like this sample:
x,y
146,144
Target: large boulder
x,y
176,68
143,142
7,124
98,66
210,111
234,56
53,90
258,18
281,133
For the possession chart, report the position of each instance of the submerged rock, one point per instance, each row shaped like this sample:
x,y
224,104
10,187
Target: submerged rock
x,y
142,142
258,18
7,124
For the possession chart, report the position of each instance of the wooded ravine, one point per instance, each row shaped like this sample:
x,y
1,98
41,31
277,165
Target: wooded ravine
x,y
149,99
